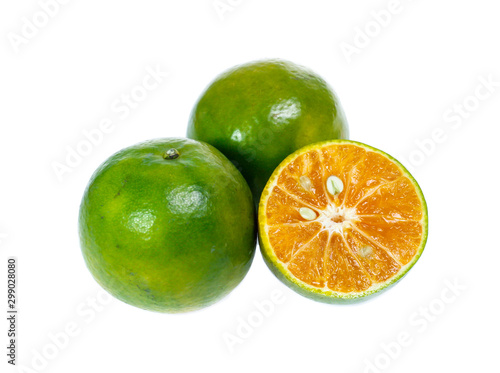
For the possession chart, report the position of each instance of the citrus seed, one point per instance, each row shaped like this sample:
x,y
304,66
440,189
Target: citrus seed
x,y
365,251
305,182
334,185
307,213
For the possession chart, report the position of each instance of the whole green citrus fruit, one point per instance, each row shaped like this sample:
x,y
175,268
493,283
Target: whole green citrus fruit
x,y
168,225
259,113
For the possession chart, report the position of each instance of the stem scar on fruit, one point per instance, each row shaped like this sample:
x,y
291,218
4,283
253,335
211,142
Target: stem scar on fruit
x,y
171,154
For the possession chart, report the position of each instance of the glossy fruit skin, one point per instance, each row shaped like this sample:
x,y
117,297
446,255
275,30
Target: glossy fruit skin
x,y
168,235
259,113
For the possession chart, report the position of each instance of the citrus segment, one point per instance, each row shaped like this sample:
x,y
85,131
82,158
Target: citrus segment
x,y
306,166
345,273
397,199
370,172
284,209
378,263
400,238
281,243
307,262
340,220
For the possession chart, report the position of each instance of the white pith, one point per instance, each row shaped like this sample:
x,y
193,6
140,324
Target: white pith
x,y
333,212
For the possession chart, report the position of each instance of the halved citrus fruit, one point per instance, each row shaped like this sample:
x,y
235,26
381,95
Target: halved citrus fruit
x,y
340,221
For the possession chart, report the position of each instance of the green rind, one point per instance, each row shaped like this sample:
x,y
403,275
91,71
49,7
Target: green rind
x,y
316,294
187,258
246,113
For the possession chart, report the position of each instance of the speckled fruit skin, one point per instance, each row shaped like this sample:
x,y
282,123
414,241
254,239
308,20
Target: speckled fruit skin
x,y
168,235
259,113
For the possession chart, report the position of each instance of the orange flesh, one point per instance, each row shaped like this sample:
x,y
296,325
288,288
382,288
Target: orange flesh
x,y
361,237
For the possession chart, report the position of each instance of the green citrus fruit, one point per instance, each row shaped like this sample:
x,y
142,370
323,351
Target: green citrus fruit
x,y
259,113
168,225
340,221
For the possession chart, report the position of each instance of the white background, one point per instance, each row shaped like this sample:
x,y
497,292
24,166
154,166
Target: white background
x,y
397,91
